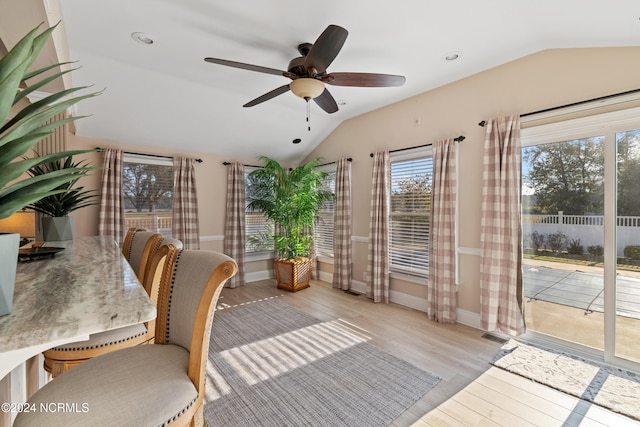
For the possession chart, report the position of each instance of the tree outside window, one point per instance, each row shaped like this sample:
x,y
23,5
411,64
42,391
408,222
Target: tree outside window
x,y
148,194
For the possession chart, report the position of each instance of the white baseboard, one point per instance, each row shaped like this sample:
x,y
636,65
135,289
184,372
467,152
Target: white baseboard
x,y
325,276
357,286
259,275
269,274
464,316
468,318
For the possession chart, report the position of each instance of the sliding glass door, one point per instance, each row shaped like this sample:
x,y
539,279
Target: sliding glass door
x,y
627,278
562,217
581,233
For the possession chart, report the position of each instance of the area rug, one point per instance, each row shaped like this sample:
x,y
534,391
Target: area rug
x,y
273,365
612,388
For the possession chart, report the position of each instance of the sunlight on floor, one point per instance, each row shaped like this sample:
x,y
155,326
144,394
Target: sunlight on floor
x,y
265,359
224,306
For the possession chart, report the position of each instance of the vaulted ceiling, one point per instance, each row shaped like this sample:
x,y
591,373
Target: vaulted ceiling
x,y
165,94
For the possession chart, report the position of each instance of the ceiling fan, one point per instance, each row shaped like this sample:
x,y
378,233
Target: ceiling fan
x,y
308,73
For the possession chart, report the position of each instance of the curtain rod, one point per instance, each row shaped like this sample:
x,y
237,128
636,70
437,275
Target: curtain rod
x,y
349,159
573,104
457,139
253,166
149,155
248,166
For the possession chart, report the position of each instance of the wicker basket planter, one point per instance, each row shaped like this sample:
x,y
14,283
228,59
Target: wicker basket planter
x,y
294,274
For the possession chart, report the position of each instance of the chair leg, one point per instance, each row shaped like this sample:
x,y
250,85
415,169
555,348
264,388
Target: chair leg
x,y
198,418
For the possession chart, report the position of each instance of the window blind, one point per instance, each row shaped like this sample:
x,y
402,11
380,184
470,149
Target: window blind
x,y
411,182
324,226
258,229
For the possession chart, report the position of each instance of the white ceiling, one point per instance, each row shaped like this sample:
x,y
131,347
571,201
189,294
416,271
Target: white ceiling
x,y
166,95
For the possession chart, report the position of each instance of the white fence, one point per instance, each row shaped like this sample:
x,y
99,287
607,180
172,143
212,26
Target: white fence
x,y
158,223
589,229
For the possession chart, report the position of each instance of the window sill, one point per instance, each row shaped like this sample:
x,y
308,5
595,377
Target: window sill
x,y
419,280
325,259
259,256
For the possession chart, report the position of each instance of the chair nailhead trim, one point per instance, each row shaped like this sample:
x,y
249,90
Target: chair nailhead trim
x,y
99,346
173,281
133,236
172,419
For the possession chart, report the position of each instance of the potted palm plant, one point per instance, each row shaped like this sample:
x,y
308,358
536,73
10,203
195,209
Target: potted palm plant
x,y
19,132
57,224
290,200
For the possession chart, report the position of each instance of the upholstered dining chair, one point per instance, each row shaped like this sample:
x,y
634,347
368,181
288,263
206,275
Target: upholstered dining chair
x,y
164,242
142,245
126,244
138,247
158,384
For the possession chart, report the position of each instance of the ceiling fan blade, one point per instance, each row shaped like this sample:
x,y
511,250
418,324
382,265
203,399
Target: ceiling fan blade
x,y
326,102
363,79
326,48
244,66
267,96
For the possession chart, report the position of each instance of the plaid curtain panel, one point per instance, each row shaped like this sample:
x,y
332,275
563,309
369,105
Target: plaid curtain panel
x,y
111,221
185,203
234,226
342,258
501,233
441,289
378,260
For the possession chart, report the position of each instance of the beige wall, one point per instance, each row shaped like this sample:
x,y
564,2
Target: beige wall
x,y
546,79
542,80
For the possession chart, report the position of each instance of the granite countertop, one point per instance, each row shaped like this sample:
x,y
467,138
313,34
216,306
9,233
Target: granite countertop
x,y
87,288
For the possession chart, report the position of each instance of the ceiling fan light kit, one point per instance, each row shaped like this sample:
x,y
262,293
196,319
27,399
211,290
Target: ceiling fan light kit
x,y
307,88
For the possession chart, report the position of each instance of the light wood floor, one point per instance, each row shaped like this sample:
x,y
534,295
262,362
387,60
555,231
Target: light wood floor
x,y
472,392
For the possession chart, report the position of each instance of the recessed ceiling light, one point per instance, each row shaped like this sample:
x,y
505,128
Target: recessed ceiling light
x,y
142,38
452,56
297,141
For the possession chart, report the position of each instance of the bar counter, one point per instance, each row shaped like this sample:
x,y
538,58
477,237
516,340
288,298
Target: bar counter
x,y
85,289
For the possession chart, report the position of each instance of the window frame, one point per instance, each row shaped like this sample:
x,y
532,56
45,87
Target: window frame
x,y
409,274
257,255
145,159
331,170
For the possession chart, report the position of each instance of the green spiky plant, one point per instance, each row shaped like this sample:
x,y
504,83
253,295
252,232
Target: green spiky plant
x,y
291,199
72,198
18,134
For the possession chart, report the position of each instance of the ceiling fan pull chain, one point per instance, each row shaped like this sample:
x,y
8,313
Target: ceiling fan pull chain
x,y
308,116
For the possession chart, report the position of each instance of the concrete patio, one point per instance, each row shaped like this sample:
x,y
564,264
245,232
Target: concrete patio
x,y
580,289
565,301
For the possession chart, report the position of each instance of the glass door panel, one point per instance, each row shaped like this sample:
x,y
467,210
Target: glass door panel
x,y
627,295
563,237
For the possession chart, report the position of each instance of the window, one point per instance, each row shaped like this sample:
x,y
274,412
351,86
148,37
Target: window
x,y
323,230
411,181
258,229
147,185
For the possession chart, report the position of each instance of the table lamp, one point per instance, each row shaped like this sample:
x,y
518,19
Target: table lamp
x,y
23,223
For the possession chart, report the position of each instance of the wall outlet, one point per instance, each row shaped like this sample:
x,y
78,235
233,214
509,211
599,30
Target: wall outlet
x,y
364,276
